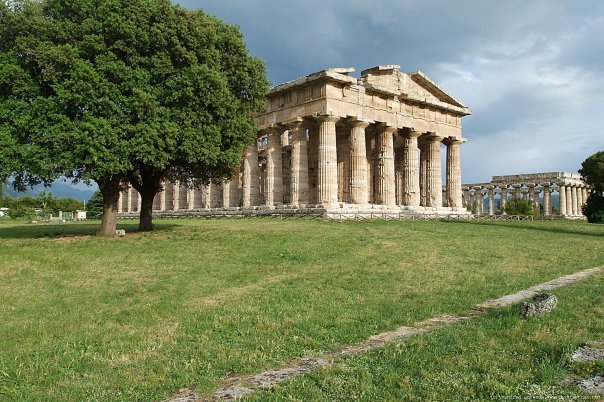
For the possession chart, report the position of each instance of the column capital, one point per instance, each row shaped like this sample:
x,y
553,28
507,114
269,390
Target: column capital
x,y
454,140
433,137
274,130
327,118
410,133
358,122
385,128
293,123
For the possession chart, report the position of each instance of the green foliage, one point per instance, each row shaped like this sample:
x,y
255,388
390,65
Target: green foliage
x,y
92,90
45,202
518,206
592,172
594,208
94,207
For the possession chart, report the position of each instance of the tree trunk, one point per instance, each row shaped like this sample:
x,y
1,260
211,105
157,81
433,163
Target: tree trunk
x,y
110,189
146,215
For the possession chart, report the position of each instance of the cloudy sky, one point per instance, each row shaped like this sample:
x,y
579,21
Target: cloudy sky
x,y
530,71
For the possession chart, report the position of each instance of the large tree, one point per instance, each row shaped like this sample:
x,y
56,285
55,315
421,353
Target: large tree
x,y
126,90
592,172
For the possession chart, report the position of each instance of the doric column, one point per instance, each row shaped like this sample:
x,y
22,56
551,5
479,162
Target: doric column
x,y
299,164
120,201
327,169
251,176
226,194
434,181
162,197
410,182
176,195
580,201
533,196
358,162
453,172
584,193
503,201
562,198
273,190
517,191
385,166
547,199
491,193
574,200
424,150
569,201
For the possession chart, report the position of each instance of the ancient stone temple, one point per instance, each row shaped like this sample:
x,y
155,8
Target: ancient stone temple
x,y
339,143
536,187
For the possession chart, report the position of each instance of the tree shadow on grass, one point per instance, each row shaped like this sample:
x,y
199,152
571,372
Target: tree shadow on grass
x,y
527,226
69,229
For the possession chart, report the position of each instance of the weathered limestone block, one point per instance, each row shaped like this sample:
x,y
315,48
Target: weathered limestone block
x,y
540,304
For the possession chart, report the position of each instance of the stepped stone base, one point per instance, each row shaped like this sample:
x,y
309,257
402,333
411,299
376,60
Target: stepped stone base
x,y
337,211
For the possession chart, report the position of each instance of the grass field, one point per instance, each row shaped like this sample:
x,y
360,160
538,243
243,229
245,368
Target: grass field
x,y
138,317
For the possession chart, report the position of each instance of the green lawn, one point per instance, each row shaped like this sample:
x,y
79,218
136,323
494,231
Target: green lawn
x,y
137,318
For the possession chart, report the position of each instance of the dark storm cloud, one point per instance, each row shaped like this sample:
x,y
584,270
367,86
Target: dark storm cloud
x,y
528,68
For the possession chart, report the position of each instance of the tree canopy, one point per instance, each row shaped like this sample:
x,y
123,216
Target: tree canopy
x,y
124,90
592,172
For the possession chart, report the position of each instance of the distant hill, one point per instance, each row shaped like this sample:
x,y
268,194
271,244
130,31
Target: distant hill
x,y
59,189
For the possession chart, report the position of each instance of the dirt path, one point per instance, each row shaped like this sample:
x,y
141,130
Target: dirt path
x,y
237,387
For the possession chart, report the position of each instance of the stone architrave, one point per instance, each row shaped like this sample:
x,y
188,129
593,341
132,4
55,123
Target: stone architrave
x,y
358,162
434,197
273,190
453,172
562,198
299,164
385,190
327,166
411,185
251,177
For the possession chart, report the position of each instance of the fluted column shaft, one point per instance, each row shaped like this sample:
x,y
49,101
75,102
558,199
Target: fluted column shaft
x,y
176,196
580,201
411,185
434,182
358,163
299,165
423,170
569,201
385,167
547,200
162,197
226,194
327,169
503,201
453,173
273,190
251,176
491,193
562,198
574,200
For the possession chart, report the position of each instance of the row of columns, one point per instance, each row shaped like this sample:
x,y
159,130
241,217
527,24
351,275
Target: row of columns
x,y
572,197
327,167
314,166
